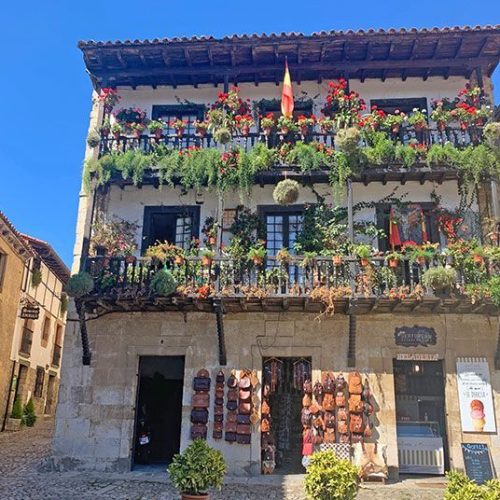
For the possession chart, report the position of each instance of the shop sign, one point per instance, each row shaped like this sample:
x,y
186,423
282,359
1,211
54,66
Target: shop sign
x,y
30,312
477,462
475,396
414,336
406,356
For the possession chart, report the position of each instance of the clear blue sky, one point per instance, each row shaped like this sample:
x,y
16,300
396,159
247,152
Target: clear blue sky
x,y
46,92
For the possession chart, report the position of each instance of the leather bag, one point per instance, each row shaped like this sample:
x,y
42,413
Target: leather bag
x,y
243,429
306,401
318,391
201,384
356,405
329,384
219,378
342,413
219,418
231,416
306,417
219,402
245,408
329,436
232,405
243,419
198,431
232,395
357,438
218,426
201,400
219,393
265,409
243,438
328,402
245,395
356,424
230,436
199,416
307,443
340,400
344,438
245,383
232,382
218,411
340,382
265,425
230,427
329,420
308,387
217,434
342,427
355,383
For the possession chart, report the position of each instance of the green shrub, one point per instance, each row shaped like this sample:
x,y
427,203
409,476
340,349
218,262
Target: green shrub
x,y
460,487
93,139
329,478
163,283
197,469
439,278
29,416
286,192
79,285
17,409
36,277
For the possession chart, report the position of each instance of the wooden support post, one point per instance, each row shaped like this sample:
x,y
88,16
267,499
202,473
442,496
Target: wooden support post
x,y
351,351
226,83
219,315
86,354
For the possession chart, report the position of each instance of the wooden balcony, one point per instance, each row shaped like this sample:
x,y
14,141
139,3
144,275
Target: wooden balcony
x,y
238,285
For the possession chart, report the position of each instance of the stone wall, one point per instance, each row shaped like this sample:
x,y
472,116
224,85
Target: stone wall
x,y
95,416
10,293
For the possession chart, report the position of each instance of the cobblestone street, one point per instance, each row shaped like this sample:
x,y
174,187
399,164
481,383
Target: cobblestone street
x,y
21,477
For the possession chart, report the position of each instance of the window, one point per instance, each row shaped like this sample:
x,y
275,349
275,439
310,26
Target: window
x,y
40,377
186,112
415,222
173,224
405,105
26,338
46,329
3,262
282,229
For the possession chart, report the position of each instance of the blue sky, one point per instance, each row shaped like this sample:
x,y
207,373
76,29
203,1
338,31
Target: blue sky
x,y
46,92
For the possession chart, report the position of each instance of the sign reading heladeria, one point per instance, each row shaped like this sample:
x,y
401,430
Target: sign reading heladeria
x,y
413,336
474,394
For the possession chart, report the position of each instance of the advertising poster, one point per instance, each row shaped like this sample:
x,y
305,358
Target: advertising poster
x,y
475,396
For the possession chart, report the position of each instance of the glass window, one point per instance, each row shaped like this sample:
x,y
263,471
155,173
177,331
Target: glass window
x,y
188,113
40,377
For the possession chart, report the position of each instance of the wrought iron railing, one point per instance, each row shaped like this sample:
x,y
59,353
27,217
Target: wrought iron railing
x,y
405,135
228,277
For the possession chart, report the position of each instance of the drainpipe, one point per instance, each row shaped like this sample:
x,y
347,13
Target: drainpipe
x,y
6,415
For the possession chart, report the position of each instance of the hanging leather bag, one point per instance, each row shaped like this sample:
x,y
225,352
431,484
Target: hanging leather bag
x,y
265,409
342,413
245,395
243,419
245,408
218,418
306,417
329,420
201,400
198,431
329,436
308,387
199,416
356,424
232,395
245,383
328,402
356,405
342,427
232,382
232,405
219,379
306,401
318,391
307,443
230,436
329,384
230,426
355,383
231,416
243,438
243,429
344,438
340,399
340,382
265,425
219,393
202,381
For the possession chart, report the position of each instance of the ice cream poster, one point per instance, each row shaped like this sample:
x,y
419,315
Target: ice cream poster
x,y
474,394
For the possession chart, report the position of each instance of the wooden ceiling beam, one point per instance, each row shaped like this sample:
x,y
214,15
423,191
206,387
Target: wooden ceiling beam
x,y
233,57
482,46
210,55
187,57
413,49
143,59
122,61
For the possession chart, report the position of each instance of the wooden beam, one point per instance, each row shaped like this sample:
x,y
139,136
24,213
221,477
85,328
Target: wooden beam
x,y
119,56
459,46
143,59
481,47
414,46
187,56
166,58
210,55
392,46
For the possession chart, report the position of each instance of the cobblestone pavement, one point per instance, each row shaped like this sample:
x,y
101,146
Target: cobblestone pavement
x,y
21,478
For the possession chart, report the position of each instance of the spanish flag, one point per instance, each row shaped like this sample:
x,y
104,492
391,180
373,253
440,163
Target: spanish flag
x,y
287,94
394,237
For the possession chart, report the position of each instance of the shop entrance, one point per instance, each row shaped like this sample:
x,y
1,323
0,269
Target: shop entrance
x,y
159,409
285,376
421,417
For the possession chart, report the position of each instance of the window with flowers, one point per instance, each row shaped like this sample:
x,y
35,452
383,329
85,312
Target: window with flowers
x,y
187,113
415,222
403,105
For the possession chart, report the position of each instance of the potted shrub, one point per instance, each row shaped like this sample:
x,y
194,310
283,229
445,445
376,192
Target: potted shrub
x,y
109,98
337,259
393,259
286,192
364,253
137,129
29,415
492,135
478,255
440,114
200,128
286,125
243,124
327,125
283,256
394,122
163,283
156,128
105,128
305,124
418,119
197,469
257,254
13,423
440,279
79,285
330,478
207,257
179,126
116,130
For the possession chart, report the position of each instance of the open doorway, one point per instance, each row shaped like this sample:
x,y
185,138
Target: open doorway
x,y
285,377
421,417
159,409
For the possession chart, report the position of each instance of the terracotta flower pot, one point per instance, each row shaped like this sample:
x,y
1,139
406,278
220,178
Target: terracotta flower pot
x,y
212,240
364,262
419,127
180,132
464,125
186,496
267,131
478,259
137,134
395,129
393,263
245,130
179,260
421,261
337,260
258,261
158,133
206,261
201,132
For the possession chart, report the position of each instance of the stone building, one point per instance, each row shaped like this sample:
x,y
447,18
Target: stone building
x,y
34,319
131,360
14,252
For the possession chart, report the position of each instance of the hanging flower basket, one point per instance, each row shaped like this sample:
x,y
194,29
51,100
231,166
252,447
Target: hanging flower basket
x,y
286,192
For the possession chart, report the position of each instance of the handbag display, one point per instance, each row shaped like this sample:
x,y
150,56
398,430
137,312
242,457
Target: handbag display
x,y
329,384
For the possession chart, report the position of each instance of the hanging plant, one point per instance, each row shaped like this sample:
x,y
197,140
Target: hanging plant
x,y
163,283
286,192
79,285
36,277
93,139
223,135
492,135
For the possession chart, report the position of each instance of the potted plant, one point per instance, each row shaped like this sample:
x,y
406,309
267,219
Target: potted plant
x,y
137,129
156,128
163,283
29,415
286,124
478,255
286,192
93,139
105,128
327,125
200,127
309,258
418,119
207,257
440,279
337,259
440,114
267,123
210,230
393,259
109,98
13,423
79,285
243,124
394,121
197,469
257,254
364,254
179,126
116,130
305,124
283,256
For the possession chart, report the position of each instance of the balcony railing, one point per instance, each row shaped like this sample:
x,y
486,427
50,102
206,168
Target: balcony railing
x,y
26,342
117,278
56,355
406,135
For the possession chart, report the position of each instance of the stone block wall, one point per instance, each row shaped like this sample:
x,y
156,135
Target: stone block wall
x,y
96,411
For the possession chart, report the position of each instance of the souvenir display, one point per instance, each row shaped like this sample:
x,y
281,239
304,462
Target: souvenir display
x,y
219,405
245,404
200,403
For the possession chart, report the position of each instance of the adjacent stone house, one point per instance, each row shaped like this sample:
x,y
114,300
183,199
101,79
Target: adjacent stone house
x,y
132,359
